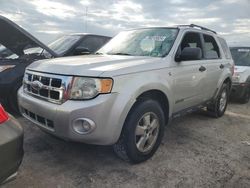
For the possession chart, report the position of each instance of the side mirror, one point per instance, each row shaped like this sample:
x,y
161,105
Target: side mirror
x,y
81,51
189,54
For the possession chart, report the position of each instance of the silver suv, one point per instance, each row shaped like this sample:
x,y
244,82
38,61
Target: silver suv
x,y
126,93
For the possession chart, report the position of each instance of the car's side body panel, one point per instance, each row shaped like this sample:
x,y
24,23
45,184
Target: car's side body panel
x,y
11,148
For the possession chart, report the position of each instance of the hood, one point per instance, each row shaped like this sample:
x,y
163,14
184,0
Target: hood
x,y
241,69
17,39
92,65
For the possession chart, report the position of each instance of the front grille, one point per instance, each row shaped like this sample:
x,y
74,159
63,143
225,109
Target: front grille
x,y
46,86
39,119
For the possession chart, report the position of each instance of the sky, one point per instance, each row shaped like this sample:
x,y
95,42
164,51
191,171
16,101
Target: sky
x,y
48,20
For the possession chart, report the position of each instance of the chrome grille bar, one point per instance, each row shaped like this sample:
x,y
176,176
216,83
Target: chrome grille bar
x,y
48,87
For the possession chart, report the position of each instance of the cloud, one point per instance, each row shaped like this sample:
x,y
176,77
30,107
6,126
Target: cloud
x,y
48,19
56,9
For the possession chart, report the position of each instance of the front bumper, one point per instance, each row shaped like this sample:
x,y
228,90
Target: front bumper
x,y
59,119
238,90
11,148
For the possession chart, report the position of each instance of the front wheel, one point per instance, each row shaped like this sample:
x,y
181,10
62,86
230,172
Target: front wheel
x,y
218,107
142,132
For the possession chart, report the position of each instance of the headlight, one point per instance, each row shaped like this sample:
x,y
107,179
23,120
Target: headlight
x,y
87,88
5,67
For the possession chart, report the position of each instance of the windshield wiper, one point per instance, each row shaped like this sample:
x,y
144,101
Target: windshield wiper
x,y
119,53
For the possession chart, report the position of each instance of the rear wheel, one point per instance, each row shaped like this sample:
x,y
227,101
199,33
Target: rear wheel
x,y
142,133
246,97
218,107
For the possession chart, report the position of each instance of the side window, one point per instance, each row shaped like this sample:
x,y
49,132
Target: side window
x,y
225,48
211,49
92,43
191,40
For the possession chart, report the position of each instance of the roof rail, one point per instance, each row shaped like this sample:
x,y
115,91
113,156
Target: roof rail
x,y
197,26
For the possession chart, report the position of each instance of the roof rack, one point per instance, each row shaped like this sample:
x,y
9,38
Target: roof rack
x,y
197,26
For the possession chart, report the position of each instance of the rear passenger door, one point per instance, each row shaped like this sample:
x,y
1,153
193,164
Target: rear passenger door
x,y
189,81
213,63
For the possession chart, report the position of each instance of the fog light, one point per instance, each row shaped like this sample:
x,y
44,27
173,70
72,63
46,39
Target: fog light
x,y
83,126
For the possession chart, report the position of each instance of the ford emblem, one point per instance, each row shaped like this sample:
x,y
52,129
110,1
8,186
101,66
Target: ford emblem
x,y
36,85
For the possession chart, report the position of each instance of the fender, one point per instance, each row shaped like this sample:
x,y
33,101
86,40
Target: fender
x,y
129,90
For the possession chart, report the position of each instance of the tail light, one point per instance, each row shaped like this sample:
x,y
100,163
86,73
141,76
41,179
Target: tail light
x,y
3,115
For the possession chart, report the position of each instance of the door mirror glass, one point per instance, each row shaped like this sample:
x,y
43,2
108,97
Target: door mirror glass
x,y
189,54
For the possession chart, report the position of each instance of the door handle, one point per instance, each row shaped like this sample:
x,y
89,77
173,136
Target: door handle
x,y
222,66
202,69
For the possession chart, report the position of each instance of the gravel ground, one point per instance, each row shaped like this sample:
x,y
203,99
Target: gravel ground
x,y
197,151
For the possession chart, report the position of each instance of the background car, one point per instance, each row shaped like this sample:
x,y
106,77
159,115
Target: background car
x,y
11,145
25,49
241,77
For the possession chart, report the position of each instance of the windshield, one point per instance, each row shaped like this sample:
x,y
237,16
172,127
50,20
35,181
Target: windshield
x,y
64,43
154,42
4,52
29,51
241,56
59,46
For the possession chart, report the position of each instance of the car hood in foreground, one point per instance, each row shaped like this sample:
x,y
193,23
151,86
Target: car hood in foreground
x,y
17,39
93,65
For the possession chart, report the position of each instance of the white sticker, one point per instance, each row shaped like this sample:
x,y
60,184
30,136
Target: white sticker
x,y
156,38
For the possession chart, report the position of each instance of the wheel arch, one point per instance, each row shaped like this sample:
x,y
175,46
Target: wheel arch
x,y
158,96
228,81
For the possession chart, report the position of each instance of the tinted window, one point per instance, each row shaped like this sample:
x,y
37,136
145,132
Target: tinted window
x,y
225,48
211,49
93,43
241,56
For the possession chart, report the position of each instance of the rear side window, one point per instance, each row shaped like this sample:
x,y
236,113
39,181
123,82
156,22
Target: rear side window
x,y
211,49
225,48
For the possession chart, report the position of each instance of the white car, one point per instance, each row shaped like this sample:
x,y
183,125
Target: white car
x,y
241,77
126,93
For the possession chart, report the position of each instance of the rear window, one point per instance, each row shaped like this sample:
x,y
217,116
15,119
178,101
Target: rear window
x,y
225,48
241,56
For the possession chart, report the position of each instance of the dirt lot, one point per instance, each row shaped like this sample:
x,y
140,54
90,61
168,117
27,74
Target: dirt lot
x,y
197,151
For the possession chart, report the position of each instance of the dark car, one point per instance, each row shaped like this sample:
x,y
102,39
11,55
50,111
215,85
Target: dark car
x,y
26,49
11,145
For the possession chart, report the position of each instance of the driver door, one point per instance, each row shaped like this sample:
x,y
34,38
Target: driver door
x,y
188,79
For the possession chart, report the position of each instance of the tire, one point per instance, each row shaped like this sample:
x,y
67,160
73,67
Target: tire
x,y
135,144
219,106
245,99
